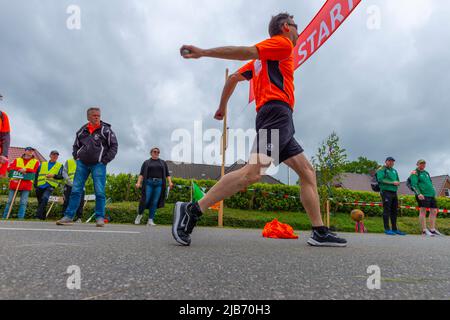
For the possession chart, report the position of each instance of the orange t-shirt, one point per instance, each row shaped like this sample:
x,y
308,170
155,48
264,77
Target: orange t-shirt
x,y
4,130
92,128
4,123
3,169
273,73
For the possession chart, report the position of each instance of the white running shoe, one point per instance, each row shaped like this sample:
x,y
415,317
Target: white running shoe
x,y
100,223
427,233
436,233
151,223
138,219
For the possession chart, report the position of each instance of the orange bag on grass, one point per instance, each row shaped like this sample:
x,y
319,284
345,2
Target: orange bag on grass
x,y
277,230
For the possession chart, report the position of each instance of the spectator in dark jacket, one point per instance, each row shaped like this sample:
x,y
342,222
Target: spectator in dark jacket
x,y
95,146
152,182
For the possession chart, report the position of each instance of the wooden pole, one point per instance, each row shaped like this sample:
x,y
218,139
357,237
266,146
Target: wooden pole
x,y
13,199
224,152
90,218
328,213
49,210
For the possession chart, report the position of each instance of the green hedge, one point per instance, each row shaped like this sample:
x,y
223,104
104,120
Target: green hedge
x,y
265,197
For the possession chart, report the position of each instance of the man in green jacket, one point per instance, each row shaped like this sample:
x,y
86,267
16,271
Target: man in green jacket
x,y
389,182
422,186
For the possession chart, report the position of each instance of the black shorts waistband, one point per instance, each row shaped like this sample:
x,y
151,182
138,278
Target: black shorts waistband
x,y
276,103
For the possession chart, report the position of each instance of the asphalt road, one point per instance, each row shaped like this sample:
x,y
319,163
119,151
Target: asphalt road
x,y
128,262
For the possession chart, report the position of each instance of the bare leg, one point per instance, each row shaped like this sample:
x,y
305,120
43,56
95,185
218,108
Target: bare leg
x,y
433,218
236,181
423,218
308,191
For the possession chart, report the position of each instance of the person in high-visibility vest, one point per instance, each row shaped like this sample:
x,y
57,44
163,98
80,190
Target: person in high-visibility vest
x,y
48,178
70,167
25,164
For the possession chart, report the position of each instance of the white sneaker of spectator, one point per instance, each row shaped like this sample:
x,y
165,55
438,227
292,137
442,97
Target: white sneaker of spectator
x,y
151,223
138,219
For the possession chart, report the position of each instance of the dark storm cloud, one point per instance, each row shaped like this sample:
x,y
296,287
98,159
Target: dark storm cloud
x,y
384,91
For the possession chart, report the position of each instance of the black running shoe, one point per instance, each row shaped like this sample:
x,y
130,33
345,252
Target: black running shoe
x,y
185,217
326,239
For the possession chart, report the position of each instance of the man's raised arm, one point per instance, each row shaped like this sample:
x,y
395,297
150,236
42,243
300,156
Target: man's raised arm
x,y
229,53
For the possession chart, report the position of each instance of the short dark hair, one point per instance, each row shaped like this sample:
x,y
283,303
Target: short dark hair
x,y
277,22
92,109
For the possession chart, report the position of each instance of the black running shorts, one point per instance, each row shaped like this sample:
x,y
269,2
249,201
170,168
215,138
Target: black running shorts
x,y
428,203
275,132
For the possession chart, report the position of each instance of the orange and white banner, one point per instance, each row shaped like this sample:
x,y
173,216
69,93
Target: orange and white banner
x,y
379,204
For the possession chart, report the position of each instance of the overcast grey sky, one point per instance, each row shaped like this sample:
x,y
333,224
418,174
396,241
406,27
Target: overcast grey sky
x,y
385,92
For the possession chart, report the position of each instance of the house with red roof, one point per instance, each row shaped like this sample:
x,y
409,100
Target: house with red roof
x,y
17,152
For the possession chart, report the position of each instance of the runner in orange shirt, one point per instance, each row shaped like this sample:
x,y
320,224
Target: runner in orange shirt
x,y
4,141
272,69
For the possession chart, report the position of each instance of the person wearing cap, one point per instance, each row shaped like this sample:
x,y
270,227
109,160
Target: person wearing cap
x,y
389,182
48,177
69,170
94,148
5,138
422,186
25,164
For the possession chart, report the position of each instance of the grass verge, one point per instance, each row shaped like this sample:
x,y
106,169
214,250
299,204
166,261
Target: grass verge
x,y
125,213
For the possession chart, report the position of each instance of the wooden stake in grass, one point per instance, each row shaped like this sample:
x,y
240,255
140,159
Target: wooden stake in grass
x,y
13,199
49,210
224,151
328,213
